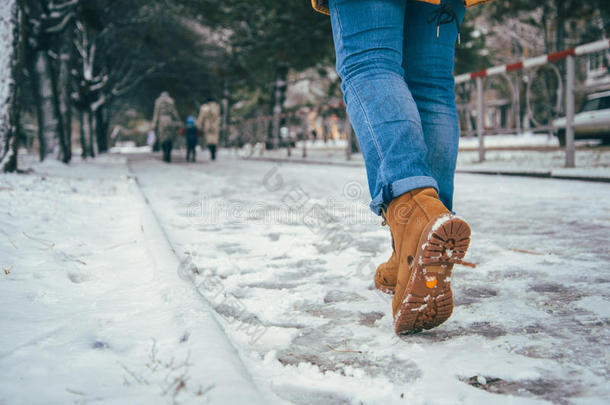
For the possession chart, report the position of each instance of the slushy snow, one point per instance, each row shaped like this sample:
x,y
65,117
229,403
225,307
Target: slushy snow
x,y
282,256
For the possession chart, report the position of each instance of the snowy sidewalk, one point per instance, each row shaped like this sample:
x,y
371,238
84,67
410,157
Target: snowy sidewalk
x,y
92,307
286,253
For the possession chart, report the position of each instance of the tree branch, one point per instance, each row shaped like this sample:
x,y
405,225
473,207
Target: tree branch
x,y
61,25
117,92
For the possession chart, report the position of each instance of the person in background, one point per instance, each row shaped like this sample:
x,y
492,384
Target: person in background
x,y
191,133
208,122
165,122
314,135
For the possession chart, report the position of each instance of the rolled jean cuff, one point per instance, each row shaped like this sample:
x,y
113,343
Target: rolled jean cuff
x,y
398,188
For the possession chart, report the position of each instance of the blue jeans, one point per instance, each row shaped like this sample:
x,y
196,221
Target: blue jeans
x,y
399,90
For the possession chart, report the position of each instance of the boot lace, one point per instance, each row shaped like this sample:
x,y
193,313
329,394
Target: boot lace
x,y
451,260
385,221
444,260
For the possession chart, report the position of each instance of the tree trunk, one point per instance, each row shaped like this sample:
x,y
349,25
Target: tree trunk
x,y
101,129
64,88
92,135
58,117
87,134
11,65
277,111
49,124
561,25
545,29
83,135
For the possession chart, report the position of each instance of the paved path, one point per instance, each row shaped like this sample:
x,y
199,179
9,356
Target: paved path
x,y
285,254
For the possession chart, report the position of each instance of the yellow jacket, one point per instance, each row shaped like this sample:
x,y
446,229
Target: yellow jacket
x,y
322,5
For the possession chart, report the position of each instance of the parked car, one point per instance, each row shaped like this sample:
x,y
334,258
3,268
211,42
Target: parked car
x,y
591,122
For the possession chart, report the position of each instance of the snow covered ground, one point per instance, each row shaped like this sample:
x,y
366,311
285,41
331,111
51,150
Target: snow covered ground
x,y
593,161
510,141
293,249
285,254
491,141
91,307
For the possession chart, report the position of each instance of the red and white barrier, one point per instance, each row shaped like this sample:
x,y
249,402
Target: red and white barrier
x,y
592,47
496,70
537,61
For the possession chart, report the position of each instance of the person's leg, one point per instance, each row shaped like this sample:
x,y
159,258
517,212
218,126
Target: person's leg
x,y
213,151
169,151
423,297
428,240
368,36
428,64
189,152
164,147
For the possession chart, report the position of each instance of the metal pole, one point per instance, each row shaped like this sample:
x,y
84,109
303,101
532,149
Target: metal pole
x,y
570,160
277,110
305,129
265,128
480,119
517,105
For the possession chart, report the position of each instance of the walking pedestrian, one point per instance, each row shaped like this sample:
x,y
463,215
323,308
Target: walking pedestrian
x,y
191,133
165,122
208,122
395,59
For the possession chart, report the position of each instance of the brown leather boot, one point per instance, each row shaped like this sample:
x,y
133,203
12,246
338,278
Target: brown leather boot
x,y
428,241
386,275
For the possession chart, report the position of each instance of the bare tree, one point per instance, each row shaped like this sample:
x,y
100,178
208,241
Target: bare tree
x,y
46,24
65,56
11,65
104,73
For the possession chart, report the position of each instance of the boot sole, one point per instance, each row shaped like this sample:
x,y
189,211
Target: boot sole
x,y
388,289
428,298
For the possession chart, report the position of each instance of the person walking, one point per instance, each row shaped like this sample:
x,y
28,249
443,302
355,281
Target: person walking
x,y
396,59
191,133
208,122
165,122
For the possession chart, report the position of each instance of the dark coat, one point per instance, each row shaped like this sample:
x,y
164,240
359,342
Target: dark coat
x,y
191,135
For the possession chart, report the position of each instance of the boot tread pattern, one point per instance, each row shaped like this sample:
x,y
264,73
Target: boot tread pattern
x,y
428,298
